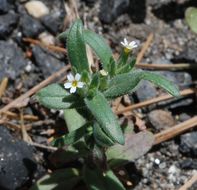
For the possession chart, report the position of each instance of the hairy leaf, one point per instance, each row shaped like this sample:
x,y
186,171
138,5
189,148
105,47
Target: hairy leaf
x,y
102,112
125,83
76,47
101,137
99,45
69,138
54,96
96,180
58,180
73,119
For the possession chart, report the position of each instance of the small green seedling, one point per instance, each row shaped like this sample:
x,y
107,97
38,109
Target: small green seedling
x,y
95,135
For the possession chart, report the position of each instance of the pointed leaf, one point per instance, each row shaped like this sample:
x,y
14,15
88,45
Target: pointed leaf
x,y
76,47
74,120
58,180
95,180
125,83
69,138
101,137
99,45
102,112
54,97
135,146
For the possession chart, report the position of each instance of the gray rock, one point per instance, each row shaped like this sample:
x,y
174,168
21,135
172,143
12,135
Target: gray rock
x,y
16,161
46,62
189,164
111,9
53,22
4,6
161,119
30,27
188,144
8,23
182,79
146,91
12,62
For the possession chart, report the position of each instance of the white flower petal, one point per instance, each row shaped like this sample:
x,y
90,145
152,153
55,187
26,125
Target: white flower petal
x,y
77,77
125,41
80,84
73,89
122,43
70,77
68,85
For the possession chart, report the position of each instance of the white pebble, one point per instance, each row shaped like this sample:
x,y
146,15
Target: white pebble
x,y
172,169
28,67
157,161
47,38
36,9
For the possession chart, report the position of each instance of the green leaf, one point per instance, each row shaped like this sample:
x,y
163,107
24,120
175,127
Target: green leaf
x,y
191,18
135,146
99,45
101,137
112,67
69,138
125,83
102,112
63,36
58,180
162,82
54,96
76,47
123,59
74,120
96,180
95,81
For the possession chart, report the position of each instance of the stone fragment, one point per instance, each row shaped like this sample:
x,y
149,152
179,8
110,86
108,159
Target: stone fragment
x,y
188,144
7,24
111,9
12,62
30,27
161,119
36,9
17,165
46,62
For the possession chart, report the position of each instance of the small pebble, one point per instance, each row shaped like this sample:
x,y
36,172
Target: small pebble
x,y
157,161
36,8
172,169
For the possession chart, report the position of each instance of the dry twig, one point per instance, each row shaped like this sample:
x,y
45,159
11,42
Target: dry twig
x,y
180,66
144,48
50,47
50,148
177,129
154,100
33,90
12,115
190,182
3,86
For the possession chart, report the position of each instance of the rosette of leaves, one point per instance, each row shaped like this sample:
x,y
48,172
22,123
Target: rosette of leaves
x,y
88,115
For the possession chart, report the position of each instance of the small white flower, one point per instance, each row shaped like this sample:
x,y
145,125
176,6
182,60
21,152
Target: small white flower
x,y
129,46
73,82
